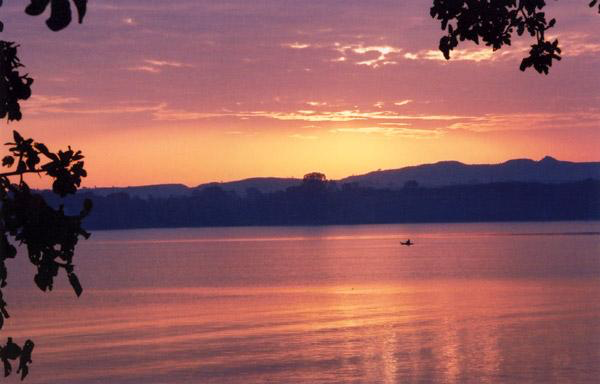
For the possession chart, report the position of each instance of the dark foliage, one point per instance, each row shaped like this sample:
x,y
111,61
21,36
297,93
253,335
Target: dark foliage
x,y
60,11
494,23
12,351
48,234
13,85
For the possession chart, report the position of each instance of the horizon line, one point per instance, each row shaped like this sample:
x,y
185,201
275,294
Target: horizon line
x,y
337,179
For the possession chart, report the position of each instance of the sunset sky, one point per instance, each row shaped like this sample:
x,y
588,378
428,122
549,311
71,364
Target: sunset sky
x,y
191,91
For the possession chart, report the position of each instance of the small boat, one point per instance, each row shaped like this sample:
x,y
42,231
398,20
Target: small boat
x,y
407,242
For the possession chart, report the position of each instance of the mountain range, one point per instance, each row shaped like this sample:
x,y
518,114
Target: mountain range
x,y
444,173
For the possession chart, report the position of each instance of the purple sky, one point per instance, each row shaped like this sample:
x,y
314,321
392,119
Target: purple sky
x,y
193,91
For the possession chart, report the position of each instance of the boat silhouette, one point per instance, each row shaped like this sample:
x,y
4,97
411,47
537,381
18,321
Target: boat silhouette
x,y
407,242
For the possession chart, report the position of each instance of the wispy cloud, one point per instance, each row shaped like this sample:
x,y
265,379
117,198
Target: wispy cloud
x,y
316,103
296,45
379,55
46,100
577,44
165,63
395,124
387,131
379,121
166,114
403,102
528,121
49,103
477,55
156,66
347,115
129,21
145,68
38,104
304,115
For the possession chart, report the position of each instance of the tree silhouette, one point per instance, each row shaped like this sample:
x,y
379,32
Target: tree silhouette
x,y
314,178
47,233
495,22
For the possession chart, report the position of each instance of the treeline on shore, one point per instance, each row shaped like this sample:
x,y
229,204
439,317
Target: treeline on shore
x,y
319,202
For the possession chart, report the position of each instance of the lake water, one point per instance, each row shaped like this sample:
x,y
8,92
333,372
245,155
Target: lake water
x,y
469,303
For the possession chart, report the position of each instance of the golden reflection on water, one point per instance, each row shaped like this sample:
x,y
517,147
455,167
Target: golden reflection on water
x,y
449,331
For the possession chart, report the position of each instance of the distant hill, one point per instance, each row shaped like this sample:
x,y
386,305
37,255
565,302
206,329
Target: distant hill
x,y
145,191
262,184
444,173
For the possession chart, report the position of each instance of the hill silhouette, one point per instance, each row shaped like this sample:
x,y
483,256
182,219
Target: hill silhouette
x,y
448,191
444,173
547,170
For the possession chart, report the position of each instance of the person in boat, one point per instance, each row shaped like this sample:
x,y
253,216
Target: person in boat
x,y
407,242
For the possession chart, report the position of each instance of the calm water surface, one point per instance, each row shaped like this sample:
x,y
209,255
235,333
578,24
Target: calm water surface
x,y
469,303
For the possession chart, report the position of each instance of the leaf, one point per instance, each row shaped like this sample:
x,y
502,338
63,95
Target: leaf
x,y
45,151
18,138
60,15
8,161
81,6
75,284
41,282
4,313
25,358
36,7
525,63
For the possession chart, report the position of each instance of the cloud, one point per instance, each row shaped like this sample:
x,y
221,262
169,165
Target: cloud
x,y
308,115
316,103
129,21
49,103
145,68
38,104
528,121
165,63
379,55
346,115
155,66
387,131
403,102
396,124
576,44
47,100
477,55
571,43
379,121
166,114
296,45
